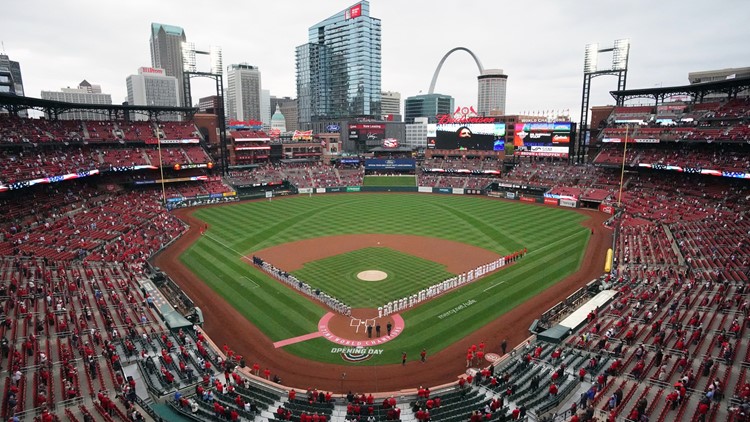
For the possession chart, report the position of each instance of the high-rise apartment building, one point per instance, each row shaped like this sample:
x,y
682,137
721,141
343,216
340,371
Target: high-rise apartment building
x,y
243,96
338,70
166,52
491,99
85,93
153,87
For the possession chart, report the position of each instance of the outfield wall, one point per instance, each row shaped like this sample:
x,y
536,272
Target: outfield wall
x,y
412,189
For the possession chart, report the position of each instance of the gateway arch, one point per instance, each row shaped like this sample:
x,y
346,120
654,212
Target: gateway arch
x,y
440,65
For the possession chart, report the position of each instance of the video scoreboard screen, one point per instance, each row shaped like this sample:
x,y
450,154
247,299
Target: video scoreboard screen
x,y
470,136
543,139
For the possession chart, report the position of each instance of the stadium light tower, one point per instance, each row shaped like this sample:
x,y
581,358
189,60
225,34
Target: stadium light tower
x,y
190,70
620,52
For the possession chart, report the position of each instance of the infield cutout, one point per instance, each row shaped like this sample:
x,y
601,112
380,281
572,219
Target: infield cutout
x,y
372,275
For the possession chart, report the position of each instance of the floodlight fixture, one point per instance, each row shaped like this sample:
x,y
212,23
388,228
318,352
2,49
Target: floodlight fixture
x,y
188,56
591,58
620,54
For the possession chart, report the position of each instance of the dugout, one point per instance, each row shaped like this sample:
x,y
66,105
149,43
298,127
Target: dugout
x,y
174,320
555,334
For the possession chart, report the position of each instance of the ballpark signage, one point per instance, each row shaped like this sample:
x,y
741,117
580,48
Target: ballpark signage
x,y
363,350
463,116
395,164
302,135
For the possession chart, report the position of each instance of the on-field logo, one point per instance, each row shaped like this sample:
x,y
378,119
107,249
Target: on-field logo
x,y
355,357
356,354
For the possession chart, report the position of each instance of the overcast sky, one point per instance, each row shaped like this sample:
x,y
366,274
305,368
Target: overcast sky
x,y
539,44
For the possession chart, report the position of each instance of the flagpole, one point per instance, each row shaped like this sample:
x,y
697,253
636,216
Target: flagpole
x,y
622,171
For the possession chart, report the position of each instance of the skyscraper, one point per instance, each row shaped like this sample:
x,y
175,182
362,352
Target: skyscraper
x,y
491,98
166,51
243,92
338,70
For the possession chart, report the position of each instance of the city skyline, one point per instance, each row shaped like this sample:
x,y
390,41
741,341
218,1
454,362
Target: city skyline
x,y
540,49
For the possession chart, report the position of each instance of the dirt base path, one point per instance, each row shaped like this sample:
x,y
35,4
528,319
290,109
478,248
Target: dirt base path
x,y
456,256
224,322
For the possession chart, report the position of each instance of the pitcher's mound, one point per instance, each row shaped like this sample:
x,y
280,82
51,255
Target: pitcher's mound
x,y
372,275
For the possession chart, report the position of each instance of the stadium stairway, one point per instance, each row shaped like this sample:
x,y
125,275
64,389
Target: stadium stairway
x,y
673,243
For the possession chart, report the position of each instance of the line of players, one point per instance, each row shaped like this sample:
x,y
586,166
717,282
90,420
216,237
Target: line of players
x,y
303,287
447,285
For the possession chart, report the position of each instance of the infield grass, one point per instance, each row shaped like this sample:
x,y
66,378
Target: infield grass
x,y
337,276
554,237
390,181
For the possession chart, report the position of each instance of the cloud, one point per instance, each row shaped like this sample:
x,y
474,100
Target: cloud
x,y
540,45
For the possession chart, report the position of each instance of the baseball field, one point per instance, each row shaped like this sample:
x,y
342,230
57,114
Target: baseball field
x,y
416,240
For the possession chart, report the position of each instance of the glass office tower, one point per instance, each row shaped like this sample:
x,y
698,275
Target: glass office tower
x,y
338,70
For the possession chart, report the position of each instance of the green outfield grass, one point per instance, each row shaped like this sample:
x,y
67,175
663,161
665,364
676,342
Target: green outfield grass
x,y
390,181
337,276
554,237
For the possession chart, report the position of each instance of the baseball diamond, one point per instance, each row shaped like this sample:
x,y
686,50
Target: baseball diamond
x,y
324,231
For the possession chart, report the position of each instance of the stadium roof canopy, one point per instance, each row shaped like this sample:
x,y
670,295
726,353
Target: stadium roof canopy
x,y
16,103
729,87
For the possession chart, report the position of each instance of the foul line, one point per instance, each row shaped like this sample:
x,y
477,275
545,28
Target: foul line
x,y
240,254
494,285
254,284
297,339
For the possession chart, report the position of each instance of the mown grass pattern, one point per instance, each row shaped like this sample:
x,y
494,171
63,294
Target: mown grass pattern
x,y
554,237
337,276
390,181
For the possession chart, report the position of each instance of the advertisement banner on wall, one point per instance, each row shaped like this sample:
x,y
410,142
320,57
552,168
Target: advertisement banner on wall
x,y
567,203
458,191
607,209
353,189
320,190
424,189
305,190
510,195
550,201
394,164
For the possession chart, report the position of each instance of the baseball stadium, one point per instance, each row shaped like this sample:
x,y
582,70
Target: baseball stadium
x,y
177,266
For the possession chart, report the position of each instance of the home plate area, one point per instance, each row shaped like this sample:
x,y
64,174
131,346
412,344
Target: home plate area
x,y
361,323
